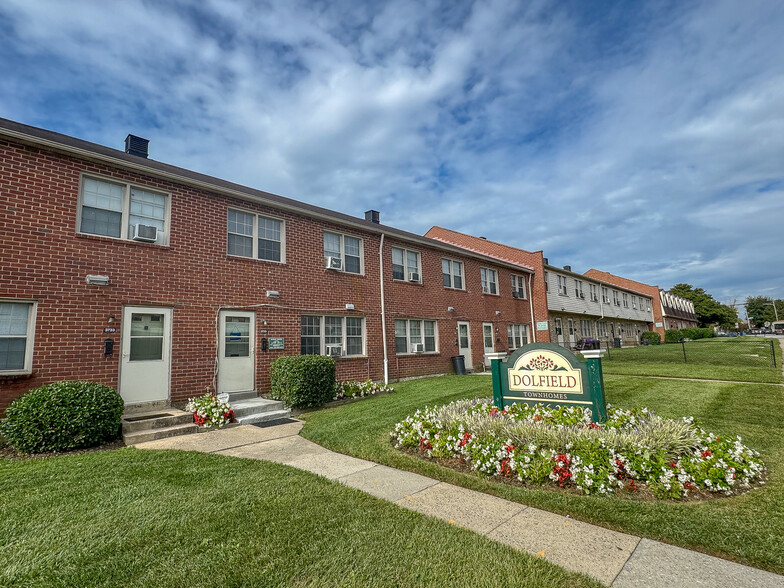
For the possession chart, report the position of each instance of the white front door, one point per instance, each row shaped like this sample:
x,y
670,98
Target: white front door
x,y
464,344
487,336
237,354
559,331
145,366
571,333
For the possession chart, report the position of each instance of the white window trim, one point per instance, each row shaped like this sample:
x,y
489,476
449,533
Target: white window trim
x,y
344,342
524,330
563,291
594,293
343,251
405,266
255,248
495,281
422,330
452,273
520,279
32,313
163,236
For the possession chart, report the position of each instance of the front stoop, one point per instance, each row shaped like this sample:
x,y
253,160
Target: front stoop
x,y
250,409
138,427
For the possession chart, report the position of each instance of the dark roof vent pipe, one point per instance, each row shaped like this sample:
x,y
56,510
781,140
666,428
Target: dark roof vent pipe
x,y
136,146
372,216
568,268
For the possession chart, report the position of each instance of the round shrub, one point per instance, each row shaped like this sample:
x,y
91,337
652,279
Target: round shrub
x,y
673,336
652,337
63,416
302,381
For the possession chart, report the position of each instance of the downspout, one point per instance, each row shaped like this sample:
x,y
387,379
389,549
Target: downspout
x,y
531,306
383,313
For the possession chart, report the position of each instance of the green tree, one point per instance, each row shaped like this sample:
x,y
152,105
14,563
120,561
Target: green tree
x,y
760,310
709,311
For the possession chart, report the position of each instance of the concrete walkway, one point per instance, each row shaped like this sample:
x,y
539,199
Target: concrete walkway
x,y
613,558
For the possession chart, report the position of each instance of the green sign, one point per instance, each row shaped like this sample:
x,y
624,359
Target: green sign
x,y
545,373
276,342
541,325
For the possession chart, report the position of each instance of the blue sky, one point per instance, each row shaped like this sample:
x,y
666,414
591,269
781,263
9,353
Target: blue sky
x,y
641,138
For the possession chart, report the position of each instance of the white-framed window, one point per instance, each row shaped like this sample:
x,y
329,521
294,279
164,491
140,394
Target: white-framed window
x,y
516,335
558,326
112,208
578,289
546,282
634,302
562,286
585,328
489,280
452,272
412,335
625,300
616,298
605,295
518,287
406,265
321,334
594,295
17,332
346,248
256,236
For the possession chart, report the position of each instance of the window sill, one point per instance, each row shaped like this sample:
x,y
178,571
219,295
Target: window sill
x,y
454,289
15,375
489,294
253,259
426,353
121,240
348,357
343,273
407,282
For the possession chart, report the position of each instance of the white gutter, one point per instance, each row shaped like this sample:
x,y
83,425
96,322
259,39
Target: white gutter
x,y
531,306
383,313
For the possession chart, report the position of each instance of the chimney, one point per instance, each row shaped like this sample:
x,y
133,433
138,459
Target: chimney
x,y
136,146
372,216
546,261
568,268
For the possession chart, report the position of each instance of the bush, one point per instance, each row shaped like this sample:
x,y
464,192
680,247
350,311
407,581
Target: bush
x,y
673,336
652,337
302,381
63,416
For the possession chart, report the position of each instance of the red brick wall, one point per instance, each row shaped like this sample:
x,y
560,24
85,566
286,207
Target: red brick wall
x,y
44,259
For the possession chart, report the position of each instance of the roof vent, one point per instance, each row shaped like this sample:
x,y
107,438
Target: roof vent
x,y
568,268
546,261
484,238
372,216
136,146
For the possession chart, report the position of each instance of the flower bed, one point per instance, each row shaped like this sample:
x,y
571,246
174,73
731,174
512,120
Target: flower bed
x,y
359,389
633,450
209,412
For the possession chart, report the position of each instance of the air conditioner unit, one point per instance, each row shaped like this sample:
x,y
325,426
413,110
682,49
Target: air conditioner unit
x,y
334,263
417,348
144,233
517,294
413,277
334,350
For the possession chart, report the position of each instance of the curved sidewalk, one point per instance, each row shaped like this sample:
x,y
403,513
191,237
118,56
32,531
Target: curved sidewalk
x,y
616,559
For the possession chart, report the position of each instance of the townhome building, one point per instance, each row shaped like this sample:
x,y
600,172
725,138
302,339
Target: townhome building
x,y
568,306
669,311
162,282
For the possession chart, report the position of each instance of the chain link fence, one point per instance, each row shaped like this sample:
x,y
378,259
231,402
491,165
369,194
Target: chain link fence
x,y
718,351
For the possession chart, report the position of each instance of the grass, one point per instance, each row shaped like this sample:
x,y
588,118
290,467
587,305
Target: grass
x,y
166,518
746,528
710,359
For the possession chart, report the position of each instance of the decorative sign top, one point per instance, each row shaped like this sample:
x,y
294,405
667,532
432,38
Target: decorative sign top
x,y
550,374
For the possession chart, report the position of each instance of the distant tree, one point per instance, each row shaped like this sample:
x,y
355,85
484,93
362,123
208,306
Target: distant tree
x,y
760,310
709,311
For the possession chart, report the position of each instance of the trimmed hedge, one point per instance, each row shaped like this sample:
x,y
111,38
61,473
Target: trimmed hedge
x,y
652,337
673,336
692,333
63,416
302,381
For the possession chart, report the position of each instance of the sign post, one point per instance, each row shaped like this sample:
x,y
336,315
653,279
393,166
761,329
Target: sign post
x,y
544,373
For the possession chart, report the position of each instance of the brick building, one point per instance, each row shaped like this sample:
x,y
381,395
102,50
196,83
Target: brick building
x,y
669,311
161,281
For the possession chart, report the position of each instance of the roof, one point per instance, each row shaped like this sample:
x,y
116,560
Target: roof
x,y
480,245
64,143
622,282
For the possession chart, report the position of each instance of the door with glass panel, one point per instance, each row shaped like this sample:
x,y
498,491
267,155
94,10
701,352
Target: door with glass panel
x,y
487,336
145,366
236,358
572,341
464,343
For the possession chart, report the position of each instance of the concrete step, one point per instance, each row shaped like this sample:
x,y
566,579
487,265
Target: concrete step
x,y
254,406
145,421
264,417
237,396
162,433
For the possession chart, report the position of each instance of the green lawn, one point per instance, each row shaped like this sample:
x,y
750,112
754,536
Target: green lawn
x,y
168,518
746,528
748,360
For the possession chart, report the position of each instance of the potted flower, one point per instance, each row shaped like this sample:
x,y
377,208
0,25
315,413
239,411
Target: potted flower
x,y
210,412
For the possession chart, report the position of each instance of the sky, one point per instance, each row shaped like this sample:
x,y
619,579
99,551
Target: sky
x,y
641,138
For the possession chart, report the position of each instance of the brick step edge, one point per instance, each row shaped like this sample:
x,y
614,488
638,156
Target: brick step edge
x,y
264,417
169,420
163,433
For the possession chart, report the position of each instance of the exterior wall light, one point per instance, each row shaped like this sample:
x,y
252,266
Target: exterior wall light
x,y
273,294
450,309
94,280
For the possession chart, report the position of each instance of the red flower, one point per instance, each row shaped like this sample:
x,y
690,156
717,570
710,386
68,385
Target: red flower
x,y
506,469
706,453
425,444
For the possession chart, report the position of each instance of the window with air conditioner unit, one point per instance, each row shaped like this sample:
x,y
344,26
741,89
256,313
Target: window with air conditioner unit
x,y
111,208
415,336
489,281
578,289
334,263
418,348
406,265
518,287
594,295
562,286
337,336
343,253
334,350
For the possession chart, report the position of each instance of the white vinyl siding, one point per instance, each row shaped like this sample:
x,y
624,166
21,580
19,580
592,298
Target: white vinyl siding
x,y
316,332
255,236
346,248
17,331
